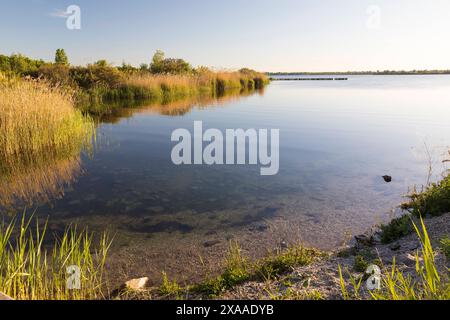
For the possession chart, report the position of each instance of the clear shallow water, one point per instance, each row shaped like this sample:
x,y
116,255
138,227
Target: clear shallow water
x,y
337,138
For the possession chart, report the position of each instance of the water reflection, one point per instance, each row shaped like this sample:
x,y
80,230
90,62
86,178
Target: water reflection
x,y
175,108
30,180
36,179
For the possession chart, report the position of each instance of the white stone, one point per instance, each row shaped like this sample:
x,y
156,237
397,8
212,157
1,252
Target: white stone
x,y
5,297
136,284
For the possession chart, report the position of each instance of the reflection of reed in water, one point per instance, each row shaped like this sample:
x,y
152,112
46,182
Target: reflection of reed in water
x,y
179,107
28,182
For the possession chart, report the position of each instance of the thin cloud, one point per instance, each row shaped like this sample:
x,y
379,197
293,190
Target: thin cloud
x,y
59,14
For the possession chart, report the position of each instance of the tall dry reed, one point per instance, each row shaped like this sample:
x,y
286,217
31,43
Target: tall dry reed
x,y
35,117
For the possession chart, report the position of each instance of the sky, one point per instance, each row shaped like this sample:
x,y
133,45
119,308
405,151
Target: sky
x,y
267,35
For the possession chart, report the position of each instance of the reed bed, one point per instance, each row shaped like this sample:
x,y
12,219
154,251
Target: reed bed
x,y
35,117
30,271
167,88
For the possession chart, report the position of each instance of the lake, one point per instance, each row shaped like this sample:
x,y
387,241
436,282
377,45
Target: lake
x,y
337,140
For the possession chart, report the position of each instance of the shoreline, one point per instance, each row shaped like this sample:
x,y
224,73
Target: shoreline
x,y
293,271
315,279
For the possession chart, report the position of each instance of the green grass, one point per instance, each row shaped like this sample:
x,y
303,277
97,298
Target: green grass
x,y
239,270
427,284
170,288
29,270
434,200
396,229
293,294
445,246
283,261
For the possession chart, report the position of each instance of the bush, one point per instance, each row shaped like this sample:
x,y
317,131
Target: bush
x,y
434,201
19,64
396,229
360,264
57,74
445,246
97,76
162,65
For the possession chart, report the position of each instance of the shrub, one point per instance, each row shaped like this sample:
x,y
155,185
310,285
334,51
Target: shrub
x,y
396,229
97,75
445,246
360,264
19,64
57,74
434,201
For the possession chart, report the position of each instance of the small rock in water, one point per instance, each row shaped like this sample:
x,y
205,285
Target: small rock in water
x,y
395,246
387,179
136,284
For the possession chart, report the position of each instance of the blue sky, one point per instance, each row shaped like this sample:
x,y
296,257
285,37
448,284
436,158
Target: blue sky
x,y
268,35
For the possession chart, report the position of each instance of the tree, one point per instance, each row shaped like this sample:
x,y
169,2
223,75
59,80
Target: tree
x,y
157,62
160,64
144,67
61,57
101,63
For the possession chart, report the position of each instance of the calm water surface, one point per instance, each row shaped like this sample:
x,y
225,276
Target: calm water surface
x,y
337,138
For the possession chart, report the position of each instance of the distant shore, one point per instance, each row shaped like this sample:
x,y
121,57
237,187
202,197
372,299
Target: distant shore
x,y
361,73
